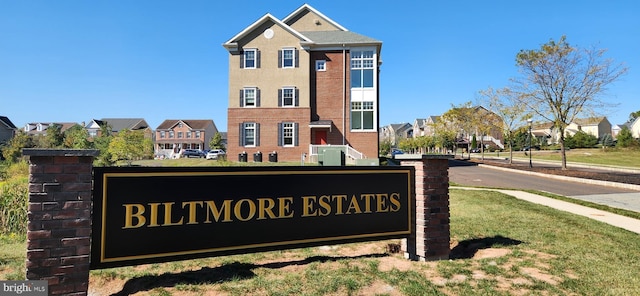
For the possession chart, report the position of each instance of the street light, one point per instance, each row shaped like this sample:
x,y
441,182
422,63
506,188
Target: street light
x,y
530,148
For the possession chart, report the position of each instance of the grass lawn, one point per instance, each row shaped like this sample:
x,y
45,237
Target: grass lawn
x,y
504,246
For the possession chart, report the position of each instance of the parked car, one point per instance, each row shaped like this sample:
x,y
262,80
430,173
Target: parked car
x,y
192,153
216,154
396,151
475,150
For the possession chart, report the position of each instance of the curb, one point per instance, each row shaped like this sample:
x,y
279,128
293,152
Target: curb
x,y
565,178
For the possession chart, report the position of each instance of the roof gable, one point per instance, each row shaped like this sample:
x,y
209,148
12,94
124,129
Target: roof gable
x,y
232,44
311,19
5,121
194,124
118,124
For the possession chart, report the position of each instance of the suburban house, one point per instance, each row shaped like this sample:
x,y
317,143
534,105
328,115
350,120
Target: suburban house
x,y
634,127
424,126
394,133
7,129
301,83
118,124
595,126
174,135
40,128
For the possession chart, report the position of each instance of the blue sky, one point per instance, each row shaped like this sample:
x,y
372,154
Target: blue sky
x,y
73,61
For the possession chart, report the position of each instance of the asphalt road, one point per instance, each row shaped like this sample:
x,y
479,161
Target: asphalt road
x,y
472,175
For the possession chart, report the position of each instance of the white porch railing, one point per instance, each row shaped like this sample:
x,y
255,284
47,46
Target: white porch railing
x,y
350,151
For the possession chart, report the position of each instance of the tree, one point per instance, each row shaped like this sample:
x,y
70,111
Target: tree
x,y
129,145
54,136
77,137
504,103
625,138
384,149
101,142
607,141
560,82
457,120
634,115
216,142
13,150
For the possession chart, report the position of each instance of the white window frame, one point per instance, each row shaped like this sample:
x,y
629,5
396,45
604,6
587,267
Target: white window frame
x,y
255,58
361,63
293,96
162,134
171,134
288,134
363,107
321,65
247,90
293,57
249,126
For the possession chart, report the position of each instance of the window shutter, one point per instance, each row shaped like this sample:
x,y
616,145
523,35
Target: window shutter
x,y
257,58
280,132
296,53
280,97
279,58
241,134
297,100
241,59
257,134
295,134
242,98
257,97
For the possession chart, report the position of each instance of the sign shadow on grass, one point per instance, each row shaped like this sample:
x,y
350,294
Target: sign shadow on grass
x,y
466,249
223,273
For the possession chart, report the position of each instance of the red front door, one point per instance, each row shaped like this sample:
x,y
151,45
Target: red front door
x,y
321,138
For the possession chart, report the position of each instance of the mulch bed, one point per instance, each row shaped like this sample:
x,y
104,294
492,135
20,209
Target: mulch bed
x,y
619,177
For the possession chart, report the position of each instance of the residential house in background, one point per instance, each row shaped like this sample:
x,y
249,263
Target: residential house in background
x,y
118,124
424,126
300,83
634,127
40,128
394,133
7,129
175,135
595,126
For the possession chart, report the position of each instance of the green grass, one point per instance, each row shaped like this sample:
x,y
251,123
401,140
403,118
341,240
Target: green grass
x,y
548,252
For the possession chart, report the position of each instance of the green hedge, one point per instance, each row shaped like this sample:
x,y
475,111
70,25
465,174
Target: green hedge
x,y
14,198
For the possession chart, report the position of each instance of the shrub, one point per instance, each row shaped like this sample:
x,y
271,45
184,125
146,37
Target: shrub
x,y
14,197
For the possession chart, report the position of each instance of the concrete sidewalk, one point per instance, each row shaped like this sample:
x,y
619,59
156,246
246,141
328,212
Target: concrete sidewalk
x,y
623,222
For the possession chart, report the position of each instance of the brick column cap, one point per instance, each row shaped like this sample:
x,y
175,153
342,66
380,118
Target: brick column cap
x,y
422,156
60,152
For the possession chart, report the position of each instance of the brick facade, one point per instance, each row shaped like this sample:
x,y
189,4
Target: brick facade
x,y
59,226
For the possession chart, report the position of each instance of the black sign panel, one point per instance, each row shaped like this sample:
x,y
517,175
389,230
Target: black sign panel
x,y
145,214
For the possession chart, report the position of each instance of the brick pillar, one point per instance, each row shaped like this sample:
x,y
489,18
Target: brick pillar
x,y
432,232
59,227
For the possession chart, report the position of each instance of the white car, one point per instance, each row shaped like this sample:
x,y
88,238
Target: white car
x,y
216,154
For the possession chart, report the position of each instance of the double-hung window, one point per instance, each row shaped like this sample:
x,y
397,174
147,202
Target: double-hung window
x,y
288,97
362,69
249,134
362,115
171,134
288,134
249,97
250,59
162,134
179,135
288,58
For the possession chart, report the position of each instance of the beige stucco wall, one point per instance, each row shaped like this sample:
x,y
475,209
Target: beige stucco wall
x,y
307,22
269,78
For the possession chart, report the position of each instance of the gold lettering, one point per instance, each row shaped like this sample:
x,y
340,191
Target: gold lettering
x,y
129,214
153,215
213,209
353,205
237,210
395,201
367,201
192,210
262,209
308,209
324,204
383,207
168,208
339,199
285,207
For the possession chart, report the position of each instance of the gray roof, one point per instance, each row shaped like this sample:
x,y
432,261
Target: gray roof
x,y
338,37
118,124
